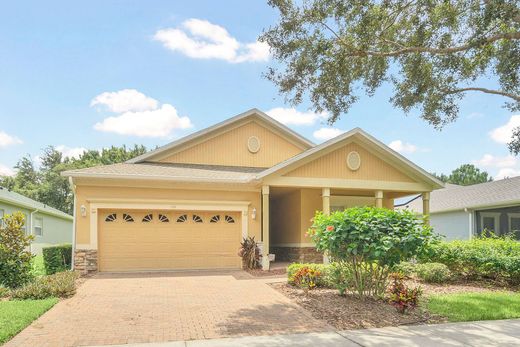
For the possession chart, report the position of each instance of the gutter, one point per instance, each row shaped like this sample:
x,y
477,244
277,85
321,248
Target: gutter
x,y
409,201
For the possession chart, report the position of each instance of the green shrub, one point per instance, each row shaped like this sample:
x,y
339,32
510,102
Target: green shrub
x,y
322,281
485,257
15,256
4,292
373,241
340,276
57,258
433,272
61,284
406,268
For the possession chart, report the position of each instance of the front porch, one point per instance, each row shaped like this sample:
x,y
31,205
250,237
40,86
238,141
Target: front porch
x,y
290,211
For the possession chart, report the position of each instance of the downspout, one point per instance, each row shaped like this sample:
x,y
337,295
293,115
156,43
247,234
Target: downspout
x,y
470,222
73,224
31,227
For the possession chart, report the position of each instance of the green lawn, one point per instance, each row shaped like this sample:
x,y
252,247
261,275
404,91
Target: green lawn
x,y
16,315
38,269
462,307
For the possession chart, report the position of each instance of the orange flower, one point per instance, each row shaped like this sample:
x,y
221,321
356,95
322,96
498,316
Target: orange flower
x,y
330,228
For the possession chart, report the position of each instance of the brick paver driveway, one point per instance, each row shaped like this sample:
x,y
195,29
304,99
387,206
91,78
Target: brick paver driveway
x,y
119,309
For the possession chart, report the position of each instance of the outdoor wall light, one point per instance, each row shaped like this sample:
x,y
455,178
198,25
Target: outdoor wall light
x,y
253,213
83,211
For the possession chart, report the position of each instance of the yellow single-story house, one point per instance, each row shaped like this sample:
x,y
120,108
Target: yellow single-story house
x,y
188,204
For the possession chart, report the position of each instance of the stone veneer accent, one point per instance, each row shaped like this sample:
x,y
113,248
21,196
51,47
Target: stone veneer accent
x,y
297,254
85,261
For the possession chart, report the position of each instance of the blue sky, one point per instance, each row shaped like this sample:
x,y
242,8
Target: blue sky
x,y
93,74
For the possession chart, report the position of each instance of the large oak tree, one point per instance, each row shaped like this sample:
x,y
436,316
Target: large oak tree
x,y
432,52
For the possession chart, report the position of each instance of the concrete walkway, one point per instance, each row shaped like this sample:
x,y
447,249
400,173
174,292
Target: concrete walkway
x,y
487,333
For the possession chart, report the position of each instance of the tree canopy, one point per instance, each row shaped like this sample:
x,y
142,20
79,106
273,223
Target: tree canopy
x,y
465,175
46,185
431,52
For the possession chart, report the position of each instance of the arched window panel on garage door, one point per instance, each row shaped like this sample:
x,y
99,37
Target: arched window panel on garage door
x,y
128,218
215,219
111,218
163,218
148,218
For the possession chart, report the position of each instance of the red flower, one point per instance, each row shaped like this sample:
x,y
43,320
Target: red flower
x,y
330,228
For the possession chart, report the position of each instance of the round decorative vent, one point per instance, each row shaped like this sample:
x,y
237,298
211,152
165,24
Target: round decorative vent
x,y
353,161
253,144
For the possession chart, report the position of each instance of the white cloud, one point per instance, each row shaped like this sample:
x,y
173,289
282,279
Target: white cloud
x,y
507,172
8,140
71,152
154,123
200,39
489,160
6,171
402,147
291,116
325,134
504,133
124,101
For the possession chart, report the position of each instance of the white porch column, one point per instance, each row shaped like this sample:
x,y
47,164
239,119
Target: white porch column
x,y
426,206
379,198
325,196
265,227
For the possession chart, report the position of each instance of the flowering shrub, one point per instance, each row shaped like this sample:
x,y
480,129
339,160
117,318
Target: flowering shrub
x,y
323,269
306,278
370,242
400,296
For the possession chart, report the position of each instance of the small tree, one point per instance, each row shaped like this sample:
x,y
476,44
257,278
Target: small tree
x,y
371,241
15,257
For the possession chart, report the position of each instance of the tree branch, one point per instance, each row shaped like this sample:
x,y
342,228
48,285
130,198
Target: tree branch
x,y
484,90
449,50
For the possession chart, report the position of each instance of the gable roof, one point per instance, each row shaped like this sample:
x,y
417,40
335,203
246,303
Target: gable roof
x,y
484,195
252,113
359,133
24,202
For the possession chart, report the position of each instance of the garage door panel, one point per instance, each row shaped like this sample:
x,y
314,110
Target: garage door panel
x,y
158,240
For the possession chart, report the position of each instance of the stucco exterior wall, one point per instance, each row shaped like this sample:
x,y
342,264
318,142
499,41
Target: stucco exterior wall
x,y
84,194
231,148
452,225
284,219
55,230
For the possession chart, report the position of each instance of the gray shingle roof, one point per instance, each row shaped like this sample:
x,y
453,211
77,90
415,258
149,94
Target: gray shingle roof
x,y
24,202
489,194
171,171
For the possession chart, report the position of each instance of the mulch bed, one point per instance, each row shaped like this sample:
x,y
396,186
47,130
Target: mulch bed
x,y
351,312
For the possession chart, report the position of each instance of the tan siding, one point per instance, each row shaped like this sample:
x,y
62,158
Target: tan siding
x,y
333,165
85,193
160,245
230,148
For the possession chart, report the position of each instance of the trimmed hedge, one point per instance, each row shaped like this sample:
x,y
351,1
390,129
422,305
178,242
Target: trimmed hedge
x,y
57,258
487,257
433,272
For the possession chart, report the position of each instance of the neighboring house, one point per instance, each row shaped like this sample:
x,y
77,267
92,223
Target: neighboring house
x,y
48,225
188,204
460,212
